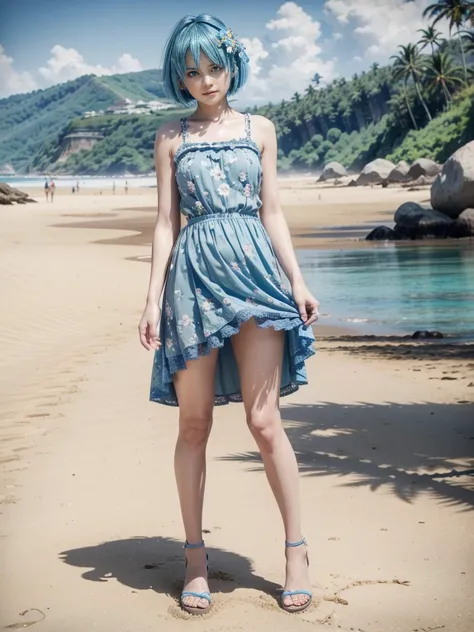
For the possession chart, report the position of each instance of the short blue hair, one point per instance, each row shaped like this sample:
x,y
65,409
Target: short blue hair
x,y
196,33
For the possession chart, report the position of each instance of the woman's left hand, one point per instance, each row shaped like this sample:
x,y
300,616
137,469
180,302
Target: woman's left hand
x,y
307,305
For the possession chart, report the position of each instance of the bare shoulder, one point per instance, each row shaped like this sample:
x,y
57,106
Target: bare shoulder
x,y
168,135
262,124
263,131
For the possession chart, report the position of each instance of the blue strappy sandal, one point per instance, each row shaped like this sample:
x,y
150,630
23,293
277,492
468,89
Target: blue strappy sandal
x,y
290,593
187,593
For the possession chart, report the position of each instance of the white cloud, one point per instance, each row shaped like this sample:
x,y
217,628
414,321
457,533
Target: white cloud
x,y
337,36
288,57
67,63
11,81
256,53
382,25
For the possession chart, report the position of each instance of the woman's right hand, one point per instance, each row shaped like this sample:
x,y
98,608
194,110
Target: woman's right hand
x,y
148,327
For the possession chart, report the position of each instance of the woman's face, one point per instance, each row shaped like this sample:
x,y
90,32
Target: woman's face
x,y
207,84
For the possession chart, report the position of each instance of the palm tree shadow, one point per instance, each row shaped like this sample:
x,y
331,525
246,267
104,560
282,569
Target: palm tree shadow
x,y
157,563
409,449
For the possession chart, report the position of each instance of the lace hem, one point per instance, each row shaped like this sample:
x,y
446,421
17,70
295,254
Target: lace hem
x,y
302,352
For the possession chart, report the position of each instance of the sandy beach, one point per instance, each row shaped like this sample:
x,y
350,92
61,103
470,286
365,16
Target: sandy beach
x,y
91,534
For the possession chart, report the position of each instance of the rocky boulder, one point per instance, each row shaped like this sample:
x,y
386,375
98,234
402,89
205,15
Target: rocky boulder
x,y
375,172
399,172
415,221
463,226
423,167
331,171
9,195
453,189
381,233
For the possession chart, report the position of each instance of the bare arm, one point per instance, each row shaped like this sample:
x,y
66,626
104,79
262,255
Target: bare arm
x,y
276,226
168,221
166,231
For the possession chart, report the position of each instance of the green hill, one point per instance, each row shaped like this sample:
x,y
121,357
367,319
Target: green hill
x,y
127,146
29,121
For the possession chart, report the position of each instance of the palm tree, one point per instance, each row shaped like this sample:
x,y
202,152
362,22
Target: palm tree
x,y
317,79
296,97
430,36
410,64
469,40
457,12
441,73
375,66
310,90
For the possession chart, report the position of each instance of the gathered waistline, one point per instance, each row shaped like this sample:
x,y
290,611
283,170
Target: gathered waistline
x,y
220,216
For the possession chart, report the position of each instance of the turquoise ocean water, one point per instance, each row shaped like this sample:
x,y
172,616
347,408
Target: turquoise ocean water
x,y
26,182
378,289
389,289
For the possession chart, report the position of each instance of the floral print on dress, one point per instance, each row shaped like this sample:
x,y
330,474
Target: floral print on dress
x,y
247,190
229,158
223,190
248,250
217,173
191,186
185,321
207,305
242,176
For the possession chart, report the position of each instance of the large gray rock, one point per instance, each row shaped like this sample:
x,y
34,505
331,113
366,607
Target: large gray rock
x,y
423,167
375,172
399,172
413,221
453,189
332,170
463,226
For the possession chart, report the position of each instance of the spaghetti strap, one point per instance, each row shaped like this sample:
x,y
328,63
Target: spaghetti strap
x,y
184,130
248,131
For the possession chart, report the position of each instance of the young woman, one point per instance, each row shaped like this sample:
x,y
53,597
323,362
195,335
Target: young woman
x,y
230,330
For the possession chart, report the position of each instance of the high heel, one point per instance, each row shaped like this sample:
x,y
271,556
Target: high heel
x,y
187,593
290,593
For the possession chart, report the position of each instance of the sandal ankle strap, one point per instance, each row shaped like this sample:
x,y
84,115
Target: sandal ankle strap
x,y
188,545
292,544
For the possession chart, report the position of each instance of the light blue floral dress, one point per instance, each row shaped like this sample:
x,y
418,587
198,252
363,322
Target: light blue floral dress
x,y
223,271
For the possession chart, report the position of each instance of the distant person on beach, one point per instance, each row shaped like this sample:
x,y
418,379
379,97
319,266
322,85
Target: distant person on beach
x,y
231,330
52,189
73,189
77,186
46,189
113,187
126,186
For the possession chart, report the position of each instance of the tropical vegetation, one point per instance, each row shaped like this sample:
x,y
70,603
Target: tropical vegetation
x,y
420,106
29,121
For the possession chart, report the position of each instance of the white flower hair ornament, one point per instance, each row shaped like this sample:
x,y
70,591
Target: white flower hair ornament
x,y
231,44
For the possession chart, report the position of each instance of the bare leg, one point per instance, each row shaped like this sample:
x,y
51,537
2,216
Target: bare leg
x,y
195,390
259,355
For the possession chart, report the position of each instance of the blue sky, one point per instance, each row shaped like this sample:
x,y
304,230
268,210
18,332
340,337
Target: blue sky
x,y
43,42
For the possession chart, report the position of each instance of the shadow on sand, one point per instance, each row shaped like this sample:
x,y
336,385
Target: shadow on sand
x,y
157,563
408,449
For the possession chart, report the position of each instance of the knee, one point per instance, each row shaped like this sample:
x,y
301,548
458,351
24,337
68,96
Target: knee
x,y
265,427
194,429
